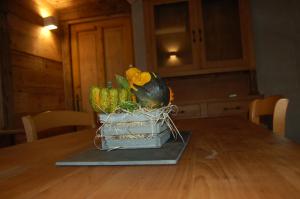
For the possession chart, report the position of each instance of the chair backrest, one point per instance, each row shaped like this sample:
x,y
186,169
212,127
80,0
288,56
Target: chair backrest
x,y
53,119
279,116
261,107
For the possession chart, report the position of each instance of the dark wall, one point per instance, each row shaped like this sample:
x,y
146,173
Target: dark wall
x,y
35,63
277,46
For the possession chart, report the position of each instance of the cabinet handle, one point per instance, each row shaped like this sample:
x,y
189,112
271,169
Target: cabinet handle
x,y
200,35
194,35
232,108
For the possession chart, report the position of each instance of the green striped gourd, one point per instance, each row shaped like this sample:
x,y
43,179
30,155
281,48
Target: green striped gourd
x,y
107,100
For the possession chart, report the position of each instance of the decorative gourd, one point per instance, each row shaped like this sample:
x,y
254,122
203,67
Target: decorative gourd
x,y
113,99
108,100
153,94
94,98
104,100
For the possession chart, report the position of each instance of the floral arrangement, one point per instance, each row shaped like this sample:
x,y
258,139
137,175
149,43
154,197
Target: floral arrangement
x,y
138,90
136,114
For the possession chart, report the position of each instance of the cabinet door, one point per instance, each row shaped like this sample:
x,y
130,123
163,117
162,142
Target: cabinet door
x,y
172,40
100,50
117,47
224,33
87,66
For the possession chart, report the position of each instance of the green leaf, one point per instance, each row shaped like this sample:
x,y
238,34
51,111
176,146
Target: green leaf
x,y
122,82
129,106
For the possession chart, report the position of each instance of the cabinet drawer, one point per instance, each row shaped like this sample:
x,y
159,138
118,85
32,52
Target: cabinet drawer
x,y
189,111
227,108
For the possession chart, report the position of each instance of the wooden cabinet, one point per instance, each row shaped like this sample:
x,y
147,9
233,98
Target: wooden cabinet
x,y
212,95
99,49
225,108
215,108
187,37
189,111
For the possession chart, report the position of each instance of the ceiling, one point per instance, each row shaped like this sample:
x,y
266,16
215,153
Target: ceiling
x,y
62,4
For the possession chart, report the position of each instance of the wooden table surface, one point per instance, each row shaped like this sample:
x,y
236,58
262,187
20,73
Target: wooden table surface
x,y
226,158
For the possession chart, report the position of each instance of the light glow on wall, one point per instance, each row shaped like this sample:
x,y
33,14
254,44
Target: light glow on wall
x,y
44,12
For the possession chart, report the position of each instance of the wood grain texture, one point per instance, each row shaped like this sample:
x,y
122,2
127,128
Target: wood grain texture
x,y
87,62
32,56
25,22
93,8
117,47
211,86
27,10
63,4
37,85
67,69
100,49
226,158
215,107
5,74
33,39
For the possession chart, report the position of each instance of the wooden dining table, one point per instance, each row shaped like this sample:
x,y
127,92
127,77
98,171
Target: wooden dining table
x,y
226,157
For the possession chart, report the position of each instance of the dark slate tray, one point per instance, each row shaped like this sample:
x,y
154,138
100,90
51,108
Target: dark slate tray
x,y
169,153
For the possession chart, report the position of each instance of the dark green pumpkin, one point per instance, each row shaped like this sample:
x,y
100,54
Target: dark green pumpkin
x,y
153,94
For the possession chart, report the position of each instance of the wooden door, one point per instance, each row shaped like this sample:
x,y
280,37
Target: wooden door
x,y
99,50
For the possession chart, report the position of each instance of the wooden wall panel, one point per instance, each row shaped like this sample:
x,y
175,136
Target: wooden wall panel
x,y
35,59
32,75
33,39
5,74
38,85
30,8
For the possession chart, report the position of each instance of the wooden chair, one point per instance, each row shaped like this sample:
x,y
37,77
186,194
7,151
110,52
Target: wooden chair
x,y
262,107
279,116
53,119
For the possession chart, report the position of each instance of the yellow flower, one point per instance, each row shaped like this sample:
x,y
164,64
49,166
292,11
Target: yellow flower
x,y
132,72
141,79
137,77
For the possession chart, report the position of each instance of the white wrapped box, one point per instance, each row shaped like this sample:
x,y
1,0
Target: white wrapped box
x,y
130,117
121,128
131,130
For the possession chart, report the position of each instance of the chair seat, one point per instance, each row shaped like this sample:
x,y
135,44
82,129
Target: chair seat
x,y
54,119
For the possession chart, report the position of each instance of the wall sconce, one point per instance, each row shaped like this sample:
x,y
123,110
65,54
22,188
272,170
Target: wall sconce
x,y
172,55
50,23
